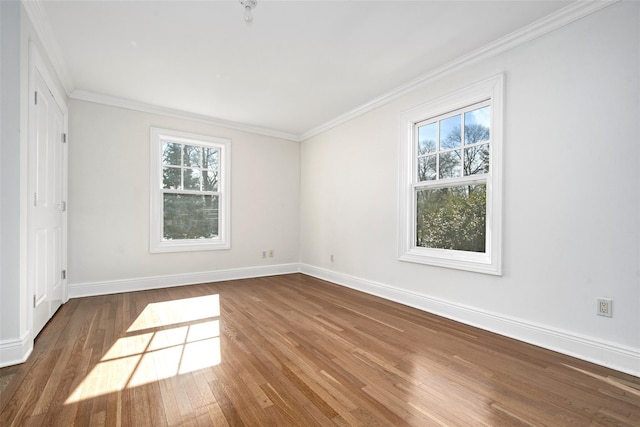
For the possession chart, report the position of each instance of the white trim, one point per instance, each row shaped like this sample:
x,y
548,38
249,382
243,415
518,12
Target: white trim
x,y
489,262
548,24
14,352
88,289
96,98
615,356
42,27
573,12
37,65
35,58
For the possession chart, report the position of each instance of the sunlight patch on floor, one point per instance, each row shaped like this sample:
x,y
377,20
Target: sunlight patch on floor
x,y
159,314
167,339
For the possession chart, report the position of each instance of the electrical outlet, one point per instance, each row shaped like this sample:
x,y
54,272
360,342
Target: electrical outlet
x,y
270,253
264,254
331,257
605,307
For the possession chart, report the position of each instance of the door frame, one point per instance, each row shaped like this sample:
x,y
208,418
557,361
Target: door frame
x,y
36,62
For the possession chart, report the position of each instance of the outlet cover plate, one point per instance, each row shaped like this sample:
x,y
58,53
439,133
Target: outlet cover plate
x,y
605,307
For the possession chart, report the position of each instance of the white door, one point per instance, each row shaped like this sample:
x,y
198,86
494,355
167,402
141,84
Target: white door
x,y
46,227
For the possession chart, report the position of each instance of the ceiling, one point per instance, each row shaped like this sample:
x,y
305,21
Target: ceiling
x,y
297,66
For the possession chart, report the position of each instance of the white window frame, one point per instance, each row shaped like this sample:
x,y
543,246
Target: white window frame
x,y
157,244
490,261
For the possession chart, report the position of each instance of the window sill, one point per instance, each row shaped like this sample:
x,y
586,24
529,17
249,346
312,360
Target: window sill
x,y
195,245
459,260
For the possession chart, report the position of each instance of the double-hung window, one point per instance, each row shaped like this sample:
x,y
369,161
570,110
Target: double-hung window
x,y
189,192
451,167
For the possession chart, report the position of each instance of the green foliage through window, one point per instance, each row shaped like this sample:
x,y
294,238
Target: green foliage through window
x,y
452,218
453,146
190,216
190,179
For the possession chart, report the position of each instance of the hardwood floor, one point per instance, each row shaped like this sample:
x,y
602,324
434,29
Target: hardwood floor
x,y
295,351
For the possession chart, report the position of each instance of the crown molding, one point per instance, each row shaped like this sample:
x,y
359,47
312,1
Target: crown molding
x,y
573,12
35,11
38,17
113,101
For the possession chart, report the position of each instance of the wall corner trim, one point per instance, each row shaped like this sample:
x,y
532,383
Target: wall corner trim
x,y
611,355
16,351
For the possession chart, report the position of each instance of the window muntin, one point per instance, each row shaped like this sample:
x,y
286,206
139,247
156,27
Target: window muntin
x,y
190,192
454,145
190,167
440,151
450,203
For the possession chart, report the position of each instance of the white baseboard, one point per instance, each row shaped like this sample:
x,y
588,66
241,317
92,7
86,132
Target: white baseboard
x,y
622,358
79,290
614,356
14,352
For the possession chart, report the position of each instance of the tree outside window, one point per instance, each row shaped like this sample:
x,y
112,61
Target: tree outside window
x,y
451,180
190,191
454,146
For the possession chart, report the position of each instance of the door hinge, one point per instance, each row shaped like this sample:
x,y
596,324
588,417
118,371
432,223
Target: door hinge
x,y
35,97
63,275
34,301
35,199
64,137
63,206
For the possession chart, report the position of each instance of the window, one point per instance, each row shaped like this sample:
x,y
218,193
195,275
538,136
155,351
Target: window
x,y
451,166
189,192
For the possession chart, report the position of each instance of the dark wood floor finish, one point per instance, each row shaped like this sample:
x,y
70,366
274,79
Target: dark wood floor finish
x,y
295,351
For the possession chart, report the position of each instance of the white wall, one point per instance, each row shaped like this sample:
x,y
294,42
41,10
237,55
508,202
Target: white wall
x,y
109,204
16,341
571,199
9,169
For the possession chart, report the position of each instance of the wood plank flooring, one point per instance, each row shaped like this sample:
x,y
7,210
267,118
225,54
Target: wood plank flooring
x,y
295,351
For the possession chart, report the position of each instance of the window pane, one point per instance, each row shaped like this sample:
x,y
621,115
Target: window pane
x,y
476,125
188,216
452,218
211,158
427,137
171,153
171,178
476,159
192,179
450,164
450,132
209,180
427,168
192,155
